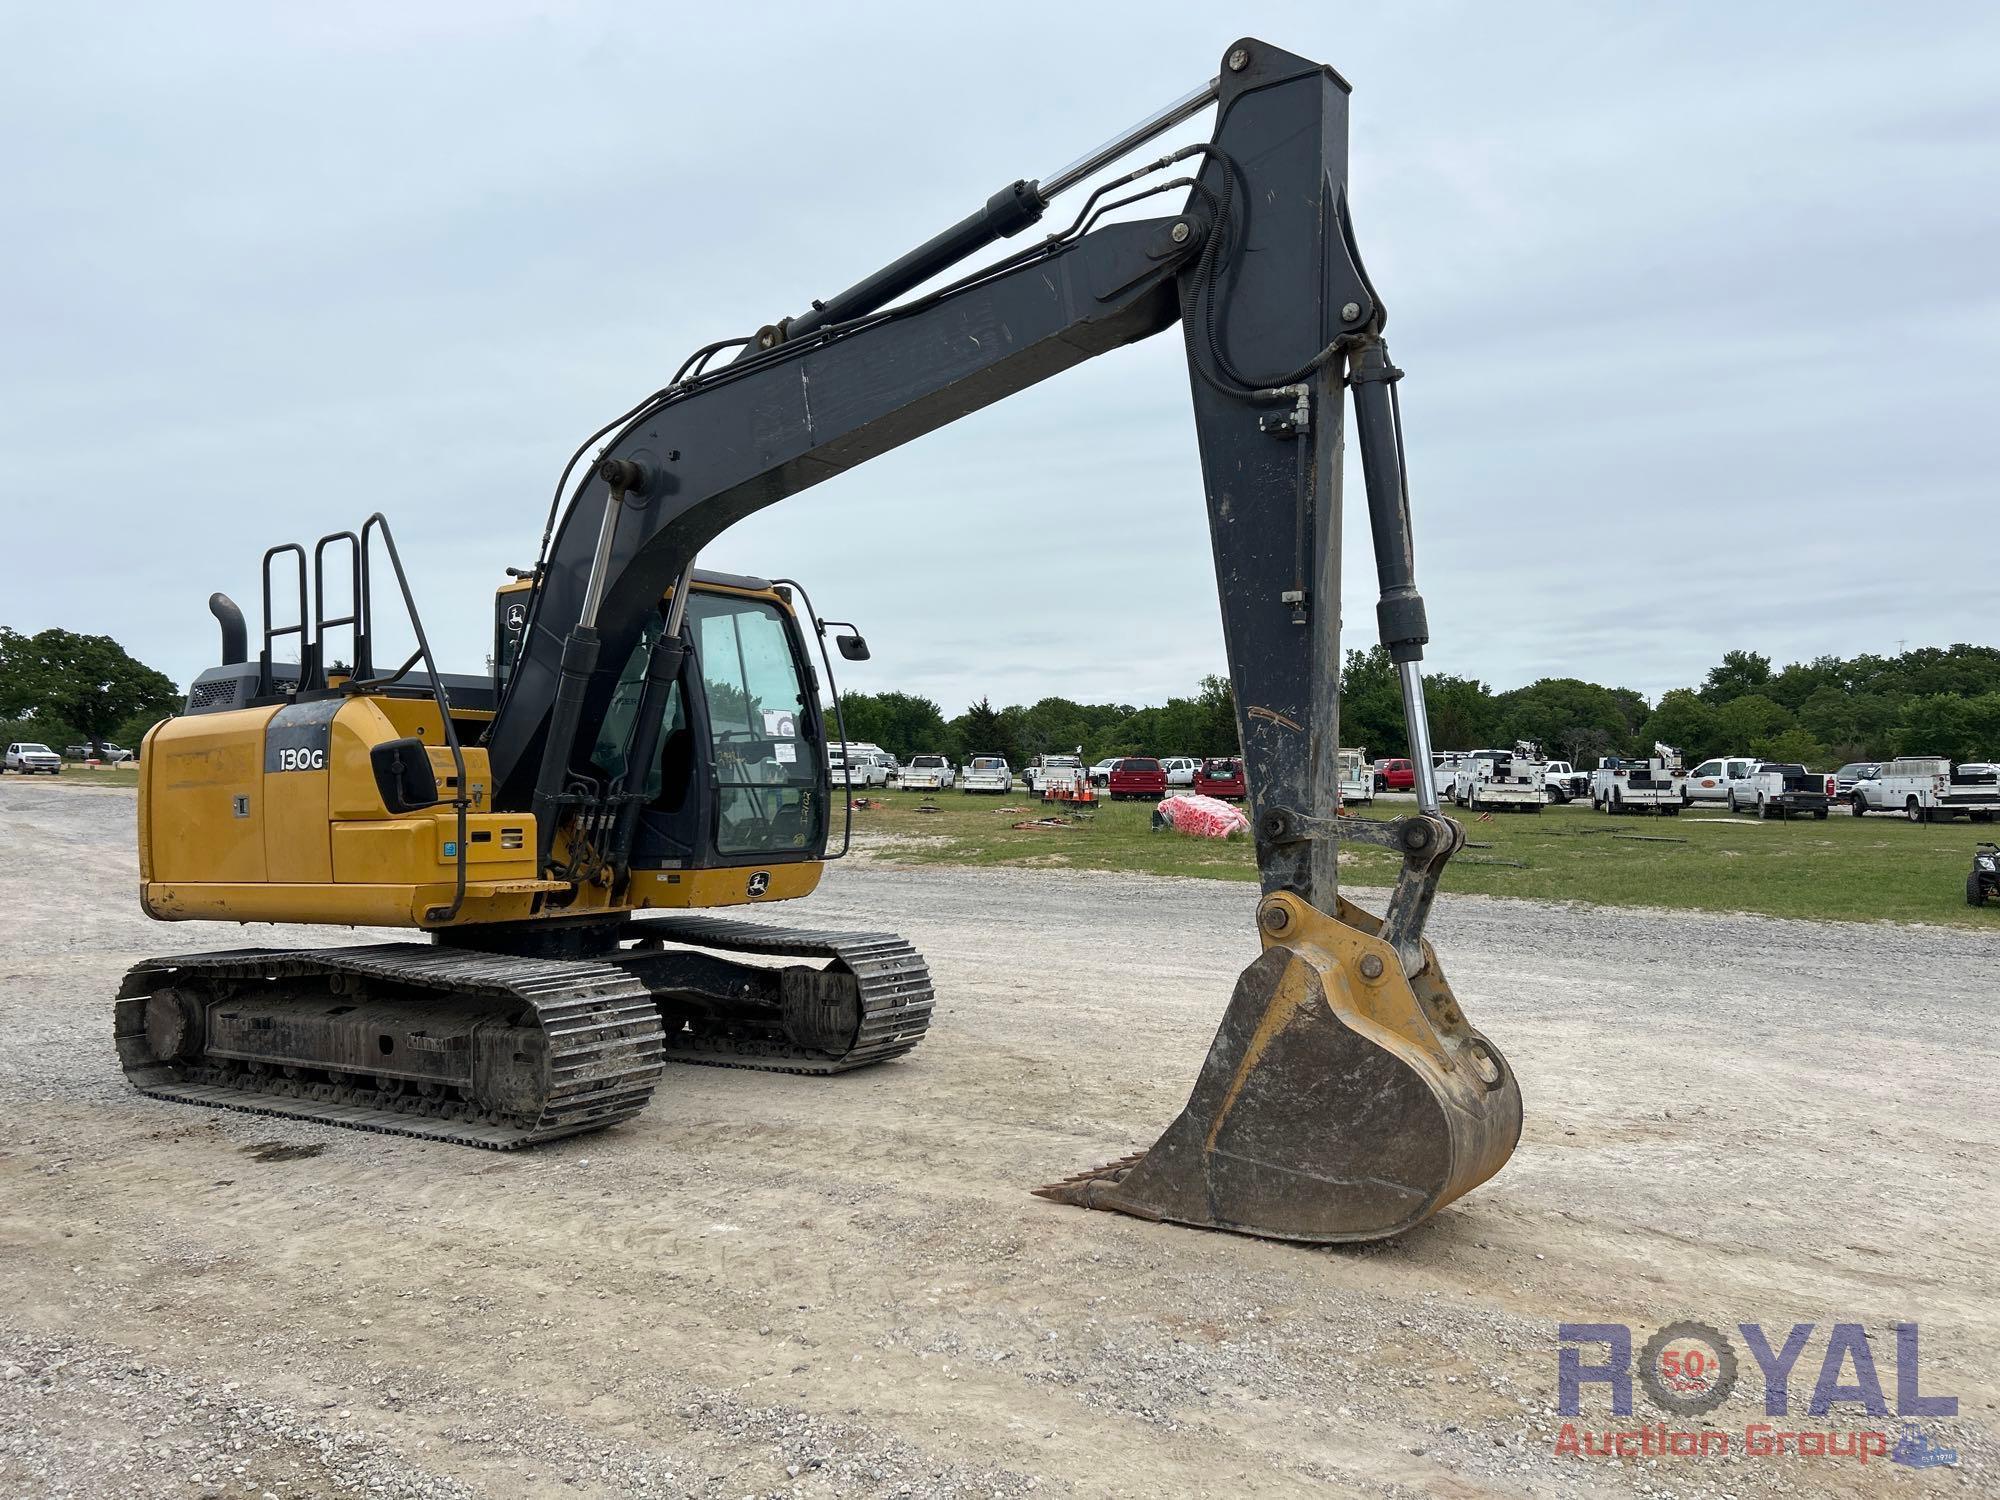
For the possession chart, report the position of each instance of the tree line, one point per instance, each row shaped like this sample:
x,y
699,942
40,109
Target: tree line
x,y
1822,713
62,689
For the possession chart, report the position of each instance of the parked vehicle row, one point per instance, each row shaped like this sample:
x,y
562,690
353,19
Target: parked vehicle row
x,y
1920,788
1123,776
27,757
1923,788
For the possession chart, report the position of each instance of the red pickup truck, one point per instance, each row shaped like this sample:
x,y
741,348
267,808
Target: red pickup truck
x,y
1137,776
1221,778
1395,776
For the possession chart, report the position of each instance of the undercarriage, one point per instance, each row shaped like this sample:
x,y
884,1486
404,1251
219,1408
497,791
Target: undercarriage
x,y
504,1050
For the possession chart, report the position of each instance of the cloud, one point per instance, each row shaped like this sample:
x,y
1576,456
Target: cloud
x,y
1697,311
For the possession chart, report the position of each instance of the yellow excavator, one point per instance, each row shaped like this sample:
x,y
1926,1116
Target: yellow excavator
x,y
650,742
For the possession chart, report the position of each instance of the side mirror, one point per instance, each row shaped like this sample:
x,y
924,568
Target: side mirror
x,y
853,647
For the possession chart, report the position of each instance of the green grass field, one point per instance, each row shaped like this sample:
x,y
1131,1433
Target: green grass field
x,y
74,774
1845,868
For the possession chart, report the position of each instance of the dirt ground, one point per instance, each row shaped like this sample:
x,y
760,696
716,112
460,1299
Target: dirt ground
x,y
772,1285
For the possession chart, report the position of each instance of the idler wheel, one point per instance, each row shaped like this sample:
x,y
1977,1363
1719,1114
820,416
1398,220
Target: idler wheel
x,y
173,1025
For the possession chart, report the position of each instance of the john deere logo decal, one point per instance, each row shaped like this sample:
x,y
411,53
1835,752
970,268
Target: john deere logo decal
x,y
760,882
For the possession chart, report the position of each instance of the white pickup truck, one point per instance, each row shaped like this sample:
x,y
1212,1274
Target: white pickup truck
x,y
987,773
1709,781
1778,789
1500,780
857,765
1562,782
1930,789
28,757
1626,785
928,773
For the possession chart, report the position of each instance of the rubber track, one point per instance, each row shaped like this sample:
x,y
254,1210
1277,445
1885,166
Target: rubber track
x,y
603,1030
896,994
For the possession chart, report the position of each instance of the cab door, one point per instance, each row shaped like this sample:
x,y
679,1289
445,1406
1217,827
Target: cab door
x,y
762,729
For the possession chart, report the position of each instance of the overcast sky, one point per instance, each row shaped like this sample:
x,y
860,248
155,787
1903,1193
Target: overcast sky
x,y
1698,304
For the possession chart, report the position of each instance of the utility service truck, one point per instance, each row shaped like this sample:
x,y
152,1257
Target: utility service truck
x,y
1045,771
1500,780
1626,785
1357,778
1930,789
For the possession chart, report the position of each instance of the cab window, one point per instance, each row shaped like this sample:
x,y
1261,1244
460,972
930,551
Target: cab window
x,y
765,764
614,734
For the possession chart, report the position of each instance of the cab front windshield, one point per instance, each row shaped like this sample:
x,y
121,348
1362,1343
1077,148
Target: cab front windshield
x,y
765,763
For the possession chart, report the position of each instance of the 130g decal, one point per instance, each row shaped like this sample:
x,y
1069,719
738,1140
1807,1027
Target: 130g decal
x,y
297,736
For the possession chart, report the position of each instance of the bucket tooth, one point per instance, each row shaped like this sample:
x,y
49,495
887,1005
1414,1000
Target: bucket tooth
x,y
1339,1101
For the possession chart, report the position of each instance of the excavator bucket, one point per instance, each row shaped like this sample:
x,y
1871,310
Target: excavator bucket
x,y
1340,1101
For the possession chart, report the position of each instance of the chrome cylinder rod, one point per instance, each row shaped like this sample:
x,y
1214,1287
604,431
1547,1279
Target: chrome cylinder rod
x,y
1157,123
1416,718
677,602
600,562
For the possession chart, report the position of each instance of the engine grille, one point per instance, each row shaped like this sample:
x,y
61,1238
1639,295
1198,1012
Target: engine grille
x,y
212,694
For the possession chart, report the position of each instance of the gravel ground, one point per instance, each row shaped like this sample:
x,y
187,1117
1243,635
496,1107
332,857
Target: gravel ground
x,y
785,1286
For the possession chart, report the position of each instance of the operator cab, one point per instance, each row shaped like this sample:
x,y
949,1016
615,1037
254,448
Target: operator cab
x,y
740,776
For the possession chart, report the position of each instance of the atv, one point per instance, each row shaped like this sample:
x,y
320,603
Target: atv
x,y
1984,881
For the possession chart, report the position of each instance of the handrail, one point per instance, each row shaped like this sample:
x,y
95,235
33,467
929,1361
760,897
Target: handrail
x,y
267,682
380,522
312,669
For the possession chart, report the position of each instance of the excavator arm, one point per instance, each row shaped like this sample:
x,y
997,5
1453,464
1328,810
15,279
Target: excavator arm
x,y
1345,1096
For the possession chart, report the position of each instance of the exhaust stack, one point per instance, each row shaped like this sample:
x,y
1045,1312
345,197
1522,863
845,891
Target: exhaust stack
x,y
235,634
